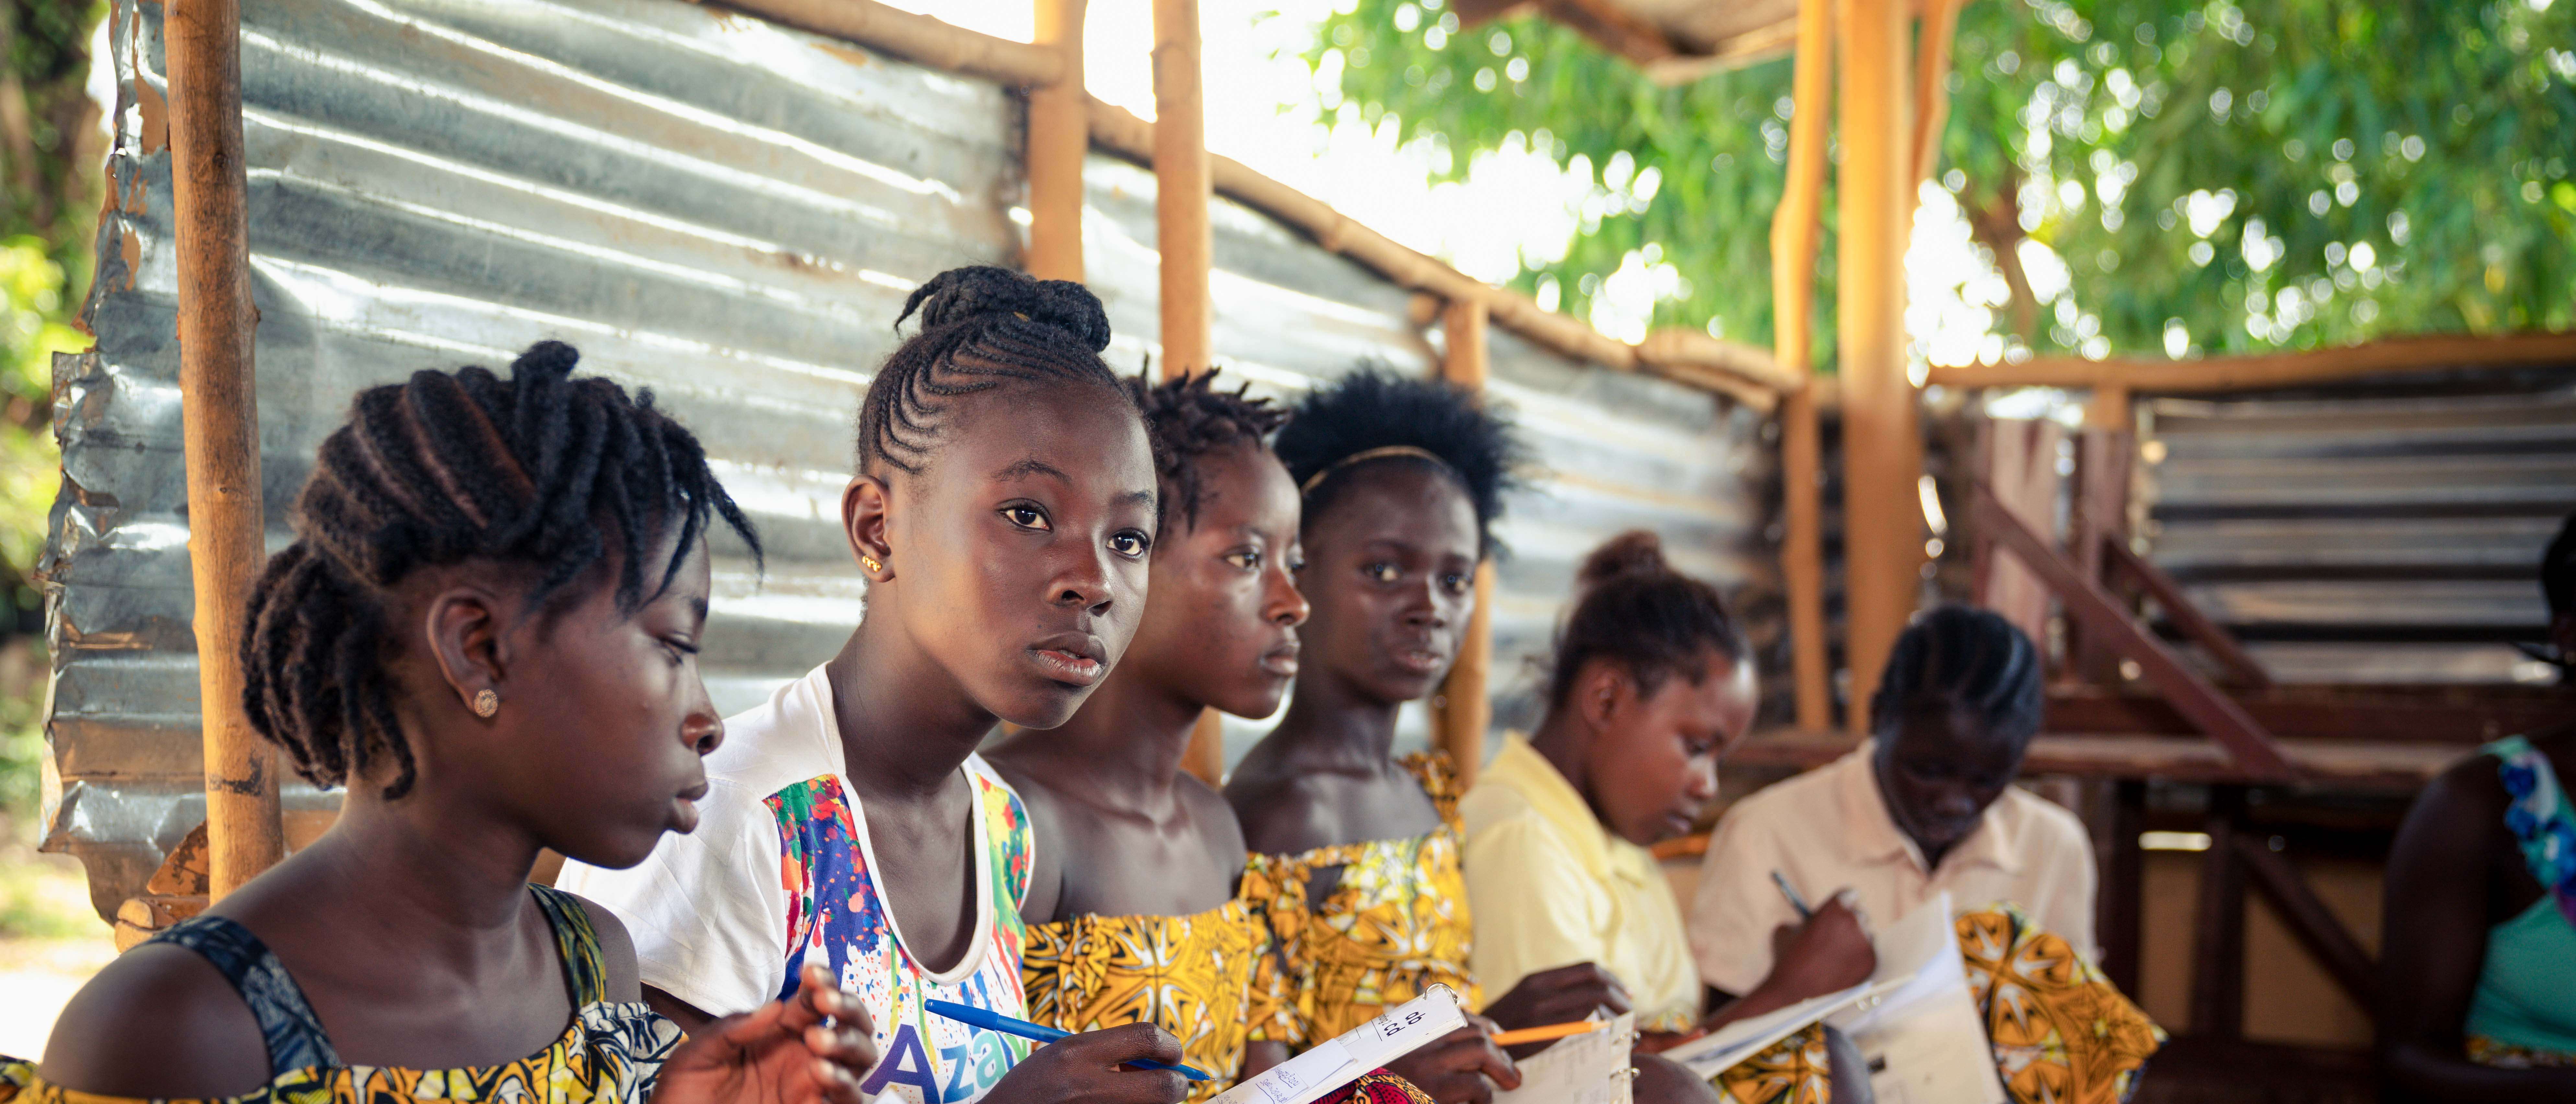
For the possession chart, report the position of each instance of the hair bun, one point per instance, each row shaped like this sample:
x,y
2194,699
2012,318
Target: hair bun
x,y
1635,552
976,290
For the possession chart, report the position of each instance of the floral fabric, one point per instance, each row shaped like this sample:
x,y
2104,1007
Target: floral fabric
x,y
2061,1032
1396,923
1194,975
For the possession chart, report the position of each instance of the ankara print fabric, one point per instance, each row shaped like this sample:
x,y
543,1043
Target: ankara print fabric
x,y
1377,1087
2062,1033
1395,925
837,917
1794,1070
1194,975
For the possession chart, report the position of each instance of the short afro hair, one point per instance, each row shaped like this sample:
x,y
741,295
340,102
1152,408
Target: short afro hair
x,y
1375,409
1188,418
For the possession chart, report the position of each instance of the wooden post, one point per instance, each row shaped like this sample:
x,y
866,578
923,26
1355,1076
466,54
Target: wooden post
x,y
1181,186
1059,137
2218,946
219,419
1931,95
1882,452
1181,191
1794,229
2122,892
1465,710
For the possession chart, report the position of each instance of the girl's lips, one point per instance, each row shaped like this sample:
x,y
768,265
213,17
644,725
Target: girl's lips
x,y
1420,661
1282,660
684,814
1065,666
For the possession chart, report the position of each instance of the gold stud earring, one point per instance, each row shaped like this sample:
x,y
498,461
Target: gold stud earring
x,y
870,562
486,703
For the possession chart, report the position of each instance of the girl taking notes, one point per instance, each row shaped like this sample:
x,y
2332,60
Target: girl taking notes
x,y
1002,513
486,630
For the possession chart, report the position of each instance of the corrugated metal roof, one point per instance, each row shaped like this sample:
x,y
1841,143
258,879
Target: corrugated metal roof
x,y
2386,531
729,213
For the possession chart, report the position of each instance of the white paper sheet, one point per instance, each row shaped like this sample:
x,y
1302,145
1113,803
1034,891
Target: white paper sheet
x,y
1591,1068
1712,1054
1925,1038
1337,1062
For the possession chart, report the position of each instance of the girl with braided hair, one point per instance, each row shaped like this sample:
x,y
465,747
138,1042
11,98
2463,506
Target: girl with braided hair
x,y
1134,851
1002,514
485,630
1356,852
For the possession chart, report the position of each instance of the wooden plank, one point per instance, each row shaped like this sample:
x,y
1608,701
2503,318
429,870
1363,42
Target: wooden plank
x,y
1882,448
1794,232
2120,904
219,417
2429,715
2179,609
2382,766
2240,373
1181,187
2084,599
1059,137
2018,458
2315,926
2100,513
913,37
2218,941
1466,710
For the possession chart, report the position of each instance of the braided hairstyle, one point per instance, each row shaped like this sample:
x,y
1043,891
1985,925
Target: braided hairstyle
x,y
1968,660
1189,418
1636,611
540,471
1374,409
981,328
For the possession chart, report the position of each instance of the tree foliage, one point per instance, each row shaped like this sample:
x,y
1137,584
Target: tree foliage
x,y
2209,177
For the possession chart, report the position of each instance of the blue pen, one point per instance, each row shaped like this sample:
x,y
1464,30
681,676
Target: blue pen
x,y
991,1021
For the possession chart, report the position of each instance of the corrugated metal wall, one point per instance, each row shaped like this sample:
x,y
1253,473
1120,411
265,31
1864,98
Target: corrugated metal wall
x,y
731,214
2387,532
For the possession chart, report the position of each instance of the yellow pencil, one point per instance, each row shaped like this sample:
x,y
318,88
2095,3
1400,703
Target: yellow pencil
x,y
1551,1031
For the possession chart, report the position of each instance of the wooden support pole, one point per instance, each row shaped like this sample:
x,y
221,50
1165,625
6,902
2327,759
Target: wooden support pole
x,y
1059,137
2218,946
219,418
2314,925
1794,229
1181,186
1882,449
2121,899
1181,191
915,37
1465,711
2222,646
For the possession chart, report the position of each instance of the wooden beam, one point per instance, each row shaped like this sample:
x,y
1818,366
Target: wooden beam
x,y
2453,716
2241,373
1882,448
1181,187
2310,921
1743,372
2084,599
2378,766
1795,227
2213,638
917,38
1466,708
2119,906
2100,516
2218,942
1932,82
219,418
1059,137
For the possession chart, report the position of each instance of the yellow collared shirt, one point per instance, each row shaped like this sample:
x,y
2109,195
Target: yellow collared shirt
x,y
1549,886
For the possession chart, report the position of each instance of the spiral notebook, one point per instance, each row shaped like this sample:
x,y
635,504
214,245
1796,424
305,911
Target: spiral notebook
x,y
1337,1062
1591,1068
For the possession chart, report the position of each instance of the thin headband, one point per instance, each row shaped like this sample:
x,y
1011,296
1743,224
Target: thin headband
x,y
1379,453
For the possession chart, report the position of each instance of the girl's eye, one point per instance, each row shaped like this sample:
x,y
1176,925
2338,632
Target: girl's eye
x,y
1026,516
1381,571
1456,584
1130,544
679,649
1244,561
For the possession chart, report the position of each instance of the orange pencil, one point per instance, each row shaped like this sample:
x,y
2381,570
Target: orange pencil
x,y
1551,1031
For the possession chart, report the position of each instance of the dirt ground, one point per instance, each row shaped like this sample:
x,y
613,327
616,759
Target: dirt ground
x,y
50,941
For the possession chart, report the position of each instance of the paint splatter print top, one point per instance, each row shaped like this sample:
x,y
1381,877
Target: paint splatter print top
x,y
779,873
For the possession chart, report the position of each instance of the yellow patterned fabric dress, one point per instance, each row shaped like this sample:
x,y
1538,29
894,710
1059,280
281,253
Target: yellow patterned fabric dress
x,y
609,1054
2061,1032
1394,925
1208,979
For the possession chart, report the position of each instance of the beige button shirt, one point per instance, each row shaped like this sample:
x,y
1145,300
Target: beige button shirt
x,y
1828,829
1549,886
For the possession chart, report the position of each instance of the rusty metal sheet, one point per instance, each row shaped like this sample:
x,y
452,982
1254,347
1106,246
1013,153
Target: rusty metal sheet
x,y
729,213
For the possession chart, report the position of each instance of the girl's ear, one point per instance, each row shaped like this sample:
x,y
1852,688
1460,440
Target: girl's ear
x,y
466,634
1600,692
864,504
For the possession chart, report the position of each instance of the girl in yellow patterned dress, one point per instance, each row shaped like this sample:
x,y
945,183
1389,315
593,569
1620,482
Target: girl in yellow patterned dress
x,y
1132,907
1355,851
486,629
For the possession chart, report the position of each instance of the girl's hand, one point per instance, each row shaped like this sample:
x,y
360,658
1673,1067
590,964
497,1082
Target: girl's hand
x,y
1089,1069
1462,1067
782,1054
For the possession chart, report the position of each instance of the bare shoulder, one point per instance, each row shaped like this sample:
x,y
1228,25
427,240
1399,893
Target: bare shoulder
x,y
616,950
160,1021
2463,805
1214,818
1284,814
1047,825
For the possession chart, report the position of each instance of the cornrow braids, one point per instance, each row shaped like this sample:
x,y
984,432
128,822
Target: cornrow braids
x,y
1371,410
981,328
1188,418
1634,610
540,470
1970,660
